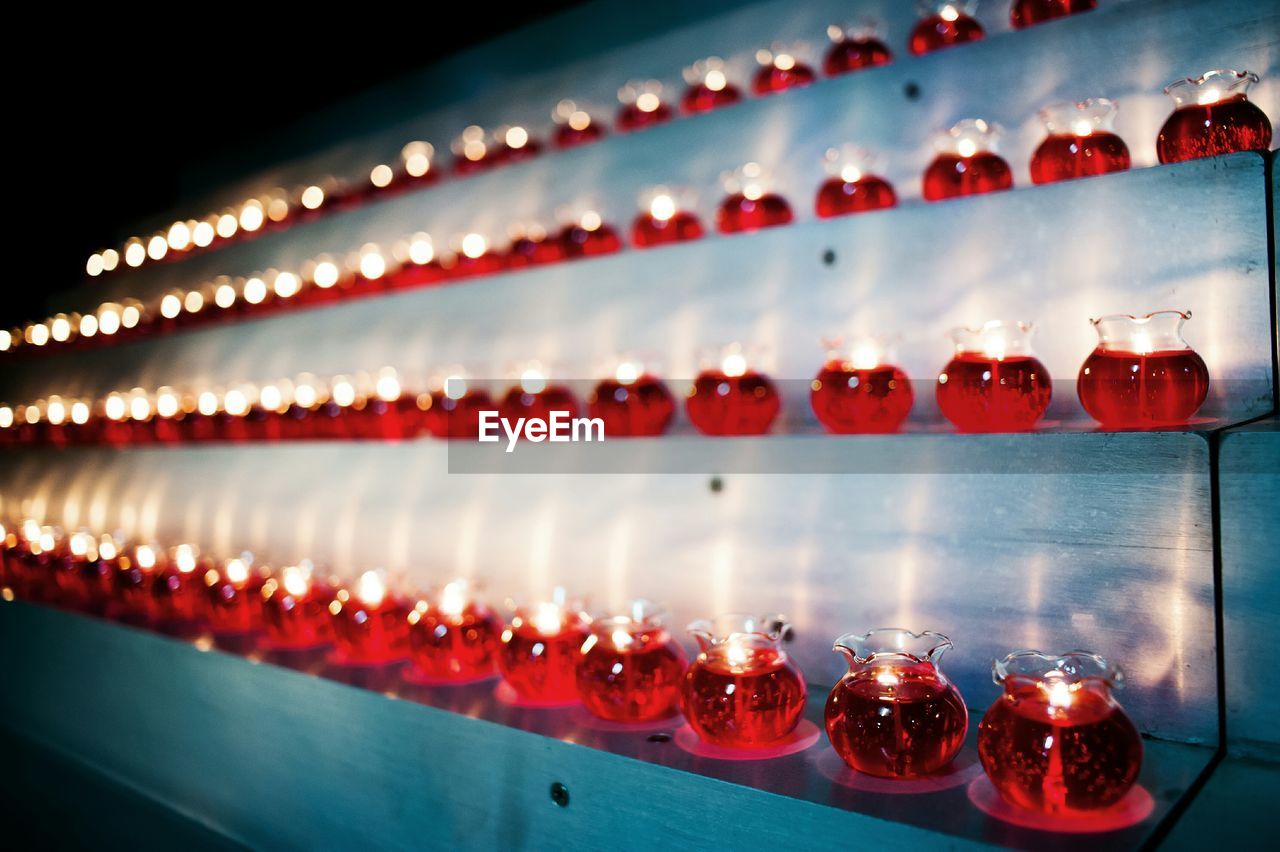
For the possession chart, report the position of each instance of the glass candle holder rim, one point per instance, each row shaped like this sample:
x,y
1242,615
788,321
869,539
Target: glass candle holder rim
x,y
984,135
1099,112
1239,79
1071,667
683,198
724,628
643,616
799,50
934,7
893,644
960,335
1145,318
837,158
573,611
696,72
862,29
1158,331
631,91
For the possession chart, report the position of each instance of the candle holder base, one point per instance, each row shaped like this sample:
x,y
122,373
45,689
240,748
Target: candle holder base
x,y
959,772
506,694
583,719
801,739
416,676
1135,807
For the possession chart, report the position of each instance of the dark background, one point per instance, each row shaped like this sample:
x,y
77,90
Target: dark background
x,y
107,126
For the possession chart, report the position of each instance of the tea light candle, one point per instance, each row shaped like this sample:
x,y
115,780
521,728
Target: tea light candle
x,y
574,125
531,245
631,668
416,164
452,408
370,624
732,398
177,592
234,597
454,638
852,187
472,256
858,392
295,610
513,144
708,87
780,69
854,48
534,396
1081,142
586,233
748,204
742,690
945,23
642,105
967,162
133,576
633,402
994,383
540,650
418,263
663,219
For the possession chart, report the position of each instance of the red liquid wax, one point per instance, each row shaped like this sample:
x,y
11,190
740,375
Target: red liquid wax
x,y
579,242
770,78
457,418
519,403
854,55
467,267
981,394
951,176
568,137
540,667
641,408
415,275
732,405
635,684
370,635
296,622
460,646
699,98
935,32
394,420
747,705
631,117
738,213
96,583
464,166
896,730
646,231
1026,13
234,609
1059,760
1128,390
507,154
838,197
1196,131
1063,156
849,401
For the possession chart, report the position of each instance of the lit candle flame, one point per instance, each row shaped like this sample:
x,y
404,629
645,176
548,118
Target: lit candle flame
x,y
1142,342
1209,96
734,364
622,639
237,571
548,618
533,380
184,556
1082,127
453,599
948,13
865,356
372,589
735,652
145,557
662,207
627,372
1060,695
297,582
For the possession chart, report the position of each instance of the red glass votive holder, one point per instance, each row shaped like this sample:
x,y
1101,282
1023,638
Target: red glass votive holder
x,y
471,151
513,144
742,690
994,383
967,162
419,265
780,69
708,87
586,234
574,126
664,219
854,48
1057,741
177,591
391,414
1081,142
531,245
642,106
632,403
452,408
1212,115
748,205
535,397
732,398
97,575
234,599
851,187
473,256
858,392
455,637
131,598
1026,13
895,715
1142,373
295,610
944,23
540,650
631,668
370,623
